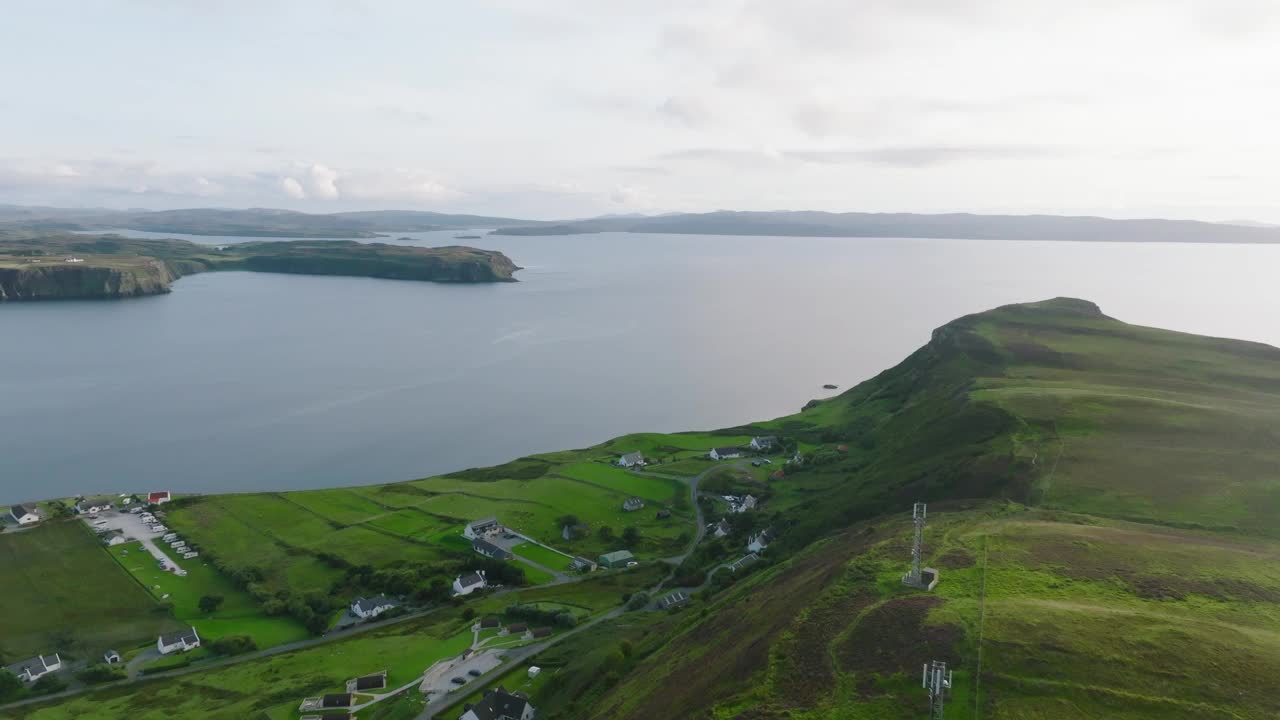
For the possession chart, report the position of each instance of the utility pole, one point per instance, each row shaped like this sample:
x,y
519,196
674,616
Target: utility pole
x,y
937,680
917,548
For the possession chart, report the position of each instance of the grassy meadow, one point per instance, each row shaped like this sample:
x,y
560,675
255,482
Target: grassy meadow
x,y
65,594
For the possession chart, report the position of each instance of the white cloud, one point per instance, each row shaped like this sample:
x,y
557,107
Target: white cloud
x,y
323,182
293,188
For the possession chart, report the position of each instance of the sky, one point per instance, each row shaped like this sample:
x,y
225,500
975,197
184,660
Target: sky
x,y
560,109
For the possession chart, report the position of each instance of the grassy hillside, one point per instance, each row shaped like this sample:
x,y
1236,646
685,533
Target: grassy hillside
x,y
64,593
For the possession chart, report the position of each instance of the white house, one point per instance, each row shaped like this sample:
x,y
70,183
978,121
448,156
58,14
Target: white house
x,y
111,657
25,514
635,459
725,453
371,607
93,505
632,504
500,705
766,442
721,528
748,502
181,641
467,584
37,667
759,541
482,528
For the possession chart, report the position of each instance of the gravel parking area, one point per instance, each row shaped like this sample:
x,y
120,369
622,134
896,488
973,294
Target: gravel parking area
x,y
132,527
437,678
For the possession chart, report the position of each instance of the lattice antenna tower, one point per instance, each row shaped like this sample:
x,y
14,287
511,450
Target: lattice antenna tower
x,y
937,680
917,546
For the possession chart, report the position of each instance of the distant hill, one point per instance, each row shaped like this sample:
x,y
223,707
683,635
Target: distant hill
x,y
951,225
251,222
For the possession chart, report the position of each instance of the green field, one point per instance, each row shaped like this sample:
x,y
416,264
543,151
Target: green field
x,y
270,687
655,490
239,614
72,597
543,556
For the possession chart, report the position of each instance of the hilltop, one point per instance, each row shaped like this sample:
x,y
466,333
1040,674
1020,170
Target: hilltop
x,y
42,266
1103,500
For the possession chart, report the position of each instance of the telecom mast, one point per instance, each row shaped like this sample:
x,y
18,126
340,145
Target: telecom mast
x,y
918,577
937,680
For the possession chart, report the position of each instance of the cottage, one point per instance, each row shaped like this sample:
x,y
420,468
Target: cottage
x,y
482,528
617,559
722,528
675,599
542,632
365,608
744,562
37,667
583,565
759,541
632,504
159,498
490,621
761,444
333,700
181,641
635,459
376,681
25,514
111,657
88,506
500,705
517,629
725,453
467,584
488,549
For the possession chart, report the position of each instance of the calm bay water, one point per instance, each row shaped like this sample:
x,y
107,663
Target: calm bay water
x,y
246,381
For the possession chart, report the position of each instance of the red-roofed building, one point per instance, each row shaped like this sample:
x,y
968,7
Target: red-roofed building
x,y
157,498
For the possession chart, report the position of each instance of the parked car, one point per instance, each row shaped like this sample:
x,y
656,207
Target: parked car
x,y
458,681
474,672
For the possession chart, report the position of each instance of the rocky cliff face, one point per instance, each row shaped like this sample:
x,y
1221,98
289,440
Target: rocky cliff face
x,y
70,282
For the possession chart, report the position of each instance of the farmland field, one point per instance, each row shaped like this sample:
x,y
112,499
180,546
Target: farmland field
x,y
657,490
270,687
238,614
542,556
81,602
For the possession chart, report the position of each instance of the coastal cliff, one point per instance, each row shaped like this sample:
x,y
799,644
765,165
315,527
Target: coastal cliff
x,y
80,267
78,282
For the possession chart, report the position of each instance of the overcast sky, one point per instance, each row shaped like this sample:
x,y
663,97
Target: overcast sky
x,y
559,109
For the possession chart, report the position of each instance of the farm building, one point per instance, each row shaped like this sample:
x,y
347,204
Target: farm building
x,y
760,540
85,506
181,641
617,559
725,453
766,442
632,504
469,583
376,681
111,657
371,607
500,705
674,599
488,549
25,514
635,459
159,498
37,667
482,528
582,564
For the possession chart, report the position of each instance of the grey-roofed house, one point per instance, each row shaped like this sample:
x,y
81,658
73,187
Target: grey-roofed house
x,y
500,705
93,505
634,459
674,599
582,564
180,641
371,607
632,504
375,681
764,442
37,667
725,453
488,549
759,541
484,527
111,657
469,583
25,514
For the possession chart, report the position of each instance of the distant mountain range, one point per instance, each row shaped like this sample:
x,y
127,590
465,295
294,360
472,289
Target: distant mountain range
x,y
265,222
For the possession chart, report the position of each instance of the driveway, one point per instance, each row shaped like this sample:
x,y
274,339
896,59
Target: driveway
x,y
436,681
132,527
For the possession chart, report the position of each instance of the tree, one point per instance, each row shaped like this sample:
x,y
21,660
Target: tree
x,y
570,520
630,535
468,613
605,532
50,683
209,603
10,686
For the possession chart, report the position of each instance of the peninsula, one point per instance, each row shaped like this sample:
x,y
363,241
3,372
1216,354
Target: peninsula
x,y
41,266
